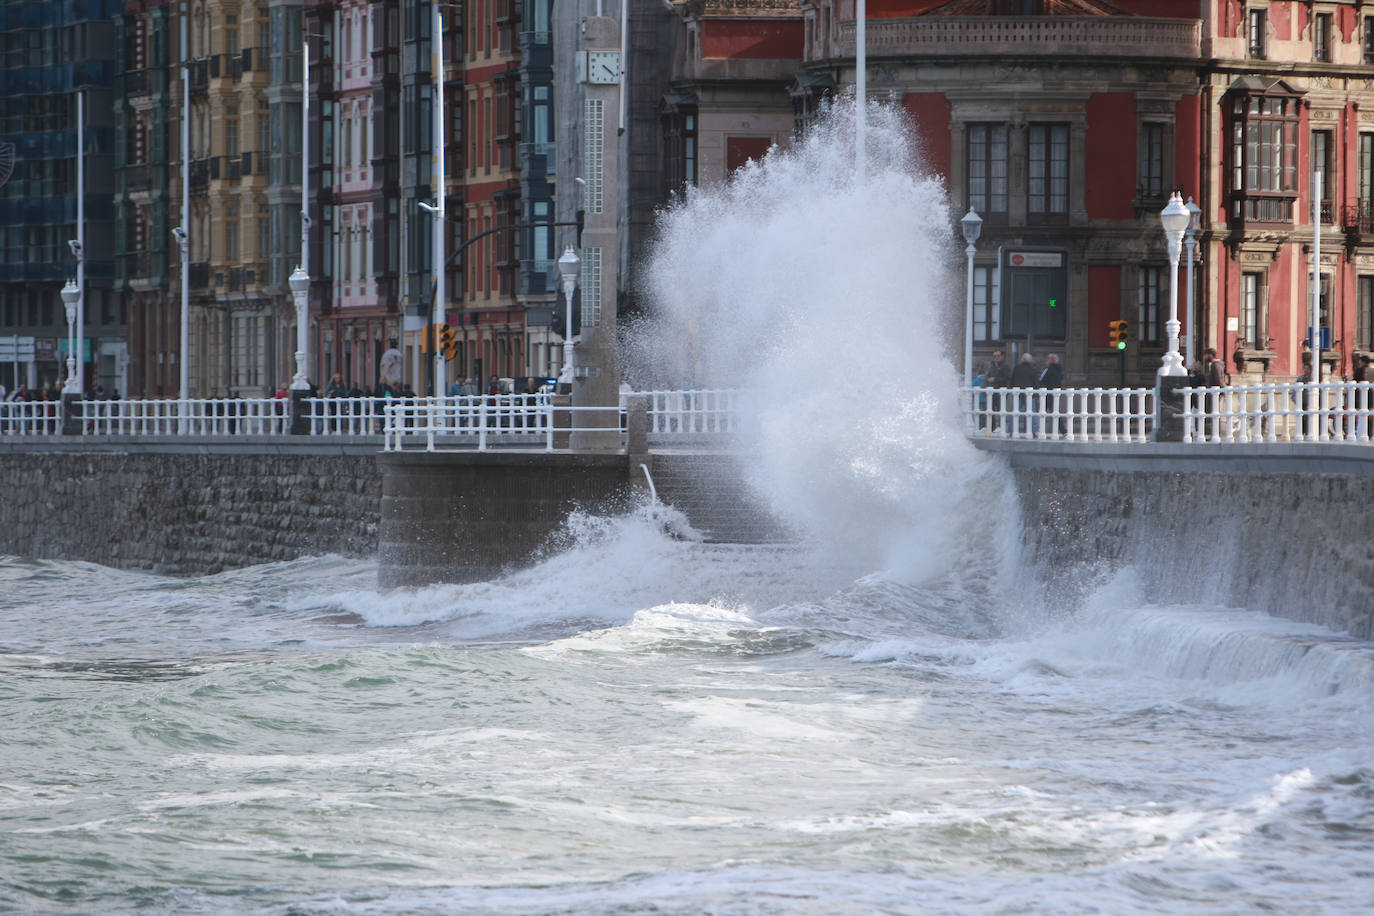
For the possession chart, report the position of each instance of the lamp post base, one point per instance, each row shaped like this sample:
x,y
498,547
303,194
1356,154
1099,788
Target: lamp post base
x,y
300,411
71,413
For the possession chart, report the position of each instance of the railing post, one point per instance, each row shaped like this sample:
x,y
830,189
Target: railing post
x,y
1169,407
300,411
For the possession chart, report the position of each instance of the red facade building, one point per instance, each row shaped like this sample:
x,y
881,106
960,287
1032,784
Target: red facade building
x,y
1066,124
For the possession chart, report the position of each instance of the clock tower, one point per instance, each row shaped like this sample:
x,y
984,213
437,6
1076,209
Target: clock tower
x,y
599,73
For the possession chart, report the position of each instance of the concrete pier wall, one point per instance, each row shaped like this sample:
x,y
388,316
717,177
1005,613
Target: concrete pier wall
x,y
1278,528
1282,529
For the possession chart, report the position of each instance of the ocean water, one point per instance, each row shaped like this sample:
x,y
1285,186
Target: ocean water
x,y
647,723
886,716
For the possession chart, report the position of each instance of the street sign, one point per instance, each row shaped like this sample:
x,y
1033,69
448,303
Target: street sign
x,y
1035,258
1326,336
15,349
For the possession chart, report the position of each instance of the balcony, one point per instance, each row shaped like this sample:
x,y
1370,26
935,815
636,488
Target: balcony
x,y
1260,207
537,277
1358,218
138,179
537,160
143,269
199,73
135,82
1048,36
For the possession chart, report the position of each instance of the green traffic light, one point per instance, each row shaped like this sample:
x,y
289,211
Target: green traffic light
x,y
1121,344
1053,303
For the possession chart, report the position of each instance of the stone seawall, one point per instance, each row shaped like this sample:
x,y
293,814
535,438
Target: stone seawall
x,y
1282,530
469,516
183,510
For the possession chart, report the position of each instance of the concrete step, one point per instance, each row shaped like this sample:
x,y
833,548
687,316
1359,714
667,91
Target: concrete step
x,y
710,490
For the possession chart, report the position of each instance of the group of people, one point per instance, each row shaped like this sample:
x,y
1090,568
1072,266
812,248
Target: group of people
x,y
23,394
467,387
1208,372
1027,374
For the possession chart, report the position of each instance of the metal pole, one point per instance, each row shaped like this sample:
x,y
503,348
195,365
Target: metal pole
x,y
860,86
301,278
1191,241
80,386
440,307
1314,332
184,389
968,320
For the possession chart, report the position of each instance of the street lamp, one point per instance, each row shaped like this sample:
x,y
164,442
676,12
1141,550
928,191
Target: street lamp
x,y
71,299
973,227
1174,218
300,290
569,268
1194,223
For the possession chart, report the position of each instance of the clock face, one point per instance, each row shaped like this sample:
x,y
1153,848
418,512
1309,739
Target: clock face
x,y
603,66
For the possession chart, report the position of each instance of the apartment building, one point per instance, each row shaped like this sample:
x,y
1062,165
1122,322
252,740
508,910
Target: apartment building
x,y
57,69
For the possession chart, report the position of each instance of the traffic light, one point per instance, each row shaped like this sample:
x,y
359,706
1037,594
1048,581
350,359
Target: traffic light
x,y
448,340
427,339
1118,337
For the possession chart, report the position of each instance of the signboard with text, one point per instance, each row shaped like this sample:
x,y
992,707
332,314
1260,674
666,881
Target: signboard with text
x,y
15,349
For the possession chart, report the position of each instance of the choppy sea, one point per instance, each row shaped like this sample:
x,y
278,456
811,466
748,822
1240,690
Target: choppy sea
x,y
651,724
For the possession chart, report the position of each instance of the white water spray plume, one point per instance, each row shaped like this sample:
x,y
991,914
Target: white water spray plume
x,y
832,302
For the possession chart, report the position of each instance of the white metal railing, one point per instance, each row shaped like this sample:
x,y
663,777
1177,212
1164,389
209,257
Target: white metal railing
x,y
192,417
483,421
30,418
1295,412
711,412
361,416
1060,414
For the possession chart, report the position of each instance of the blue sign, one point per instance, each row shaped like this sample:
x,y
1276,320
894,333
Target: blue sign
x,y
85,349
1326,337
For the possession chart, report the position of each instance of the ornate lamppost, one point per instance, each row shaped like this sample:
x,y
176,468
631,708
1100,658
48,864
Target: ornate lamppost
x,y
1190,239
569,269
972,225
71,300
1175,218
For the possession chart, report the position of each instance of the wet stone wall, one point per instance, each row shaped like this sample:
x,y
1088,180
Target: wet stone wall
x,y
188,513
1295,544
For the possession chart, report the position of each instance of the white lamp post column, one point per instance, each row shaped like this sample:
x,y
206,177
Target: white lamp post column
x,y
569,269
973,228
71,299
1190,239
1174,218
300,291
